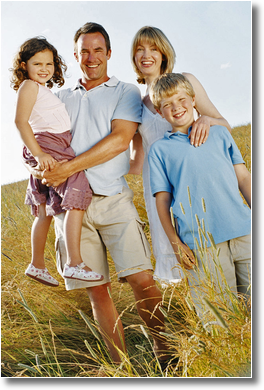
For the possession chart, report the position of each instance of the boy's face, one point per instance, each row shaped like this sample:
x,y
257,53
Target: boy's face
x,y
178,110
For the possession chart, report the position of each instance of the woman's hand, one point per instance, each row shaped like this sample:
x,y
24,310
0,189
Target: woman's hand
x,y
200,130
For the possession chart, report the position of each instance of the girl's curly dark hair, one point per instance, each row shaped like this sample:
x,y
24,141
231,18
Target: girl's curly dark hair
x,y
27,50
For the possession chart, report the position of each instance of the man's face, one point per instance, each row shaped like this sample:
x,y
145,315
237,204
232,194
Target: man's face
x,y
92,56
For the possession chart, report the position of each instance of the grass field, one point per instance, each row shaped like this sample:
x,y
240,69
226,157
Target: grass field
x,y
51,333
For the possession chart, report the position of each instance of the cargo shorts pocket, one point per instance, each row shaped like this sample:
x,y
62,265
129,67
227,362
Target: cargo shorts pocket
x,y
145,244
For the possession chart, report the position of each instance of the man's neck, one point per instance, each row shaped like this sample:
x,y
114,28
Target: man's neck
x,y
90,84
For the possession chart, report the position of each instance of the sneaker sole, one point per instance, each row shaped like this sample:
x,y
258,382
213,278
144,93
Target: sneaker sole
x,y
42,281
84,280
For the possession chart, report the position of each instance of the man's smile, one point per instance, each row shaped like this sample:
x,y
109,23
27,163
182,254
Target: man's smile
x,y
93,66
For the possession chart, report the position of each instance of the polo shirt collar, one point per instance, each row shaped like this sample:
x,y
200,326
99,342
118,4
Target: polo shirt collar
x,y
112,82
169,133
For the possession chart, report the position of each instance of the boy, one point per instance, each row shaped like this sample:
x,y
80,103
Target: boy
x,y
202,187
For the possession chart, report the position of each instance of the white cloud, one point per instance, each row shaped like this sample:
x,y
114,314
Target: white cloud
x,y
45,31
225,66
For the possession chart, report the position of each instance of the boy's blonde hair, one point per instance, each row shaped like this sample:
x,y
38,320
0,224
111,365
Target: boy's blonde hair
x,y
153,36
167,85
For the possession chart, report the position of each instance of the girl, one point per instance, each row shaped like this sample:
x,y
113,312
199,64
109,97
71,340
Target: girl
x,y
152,55
44,126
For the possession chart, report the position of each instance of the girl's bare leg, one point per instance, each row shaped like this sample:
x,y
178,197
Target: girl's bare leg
x,y
39,234
73,229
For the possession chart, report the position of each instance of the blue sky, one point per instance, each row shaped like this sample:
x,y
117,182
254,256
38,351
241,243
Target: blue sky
x,y
212,40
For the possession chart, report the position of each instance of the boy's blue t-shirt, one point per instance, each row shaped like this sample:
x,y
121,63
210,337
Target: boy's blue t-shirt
x,y
209,173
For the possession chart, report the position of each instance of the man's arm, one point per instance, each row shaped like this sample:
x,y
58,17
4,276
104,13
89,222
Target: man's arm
x,y
244,181
106,149
163,202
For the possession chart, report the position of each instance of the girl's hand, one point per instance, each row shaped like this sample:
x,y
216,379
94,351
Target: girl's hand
x,y
45,161
200,130
185,256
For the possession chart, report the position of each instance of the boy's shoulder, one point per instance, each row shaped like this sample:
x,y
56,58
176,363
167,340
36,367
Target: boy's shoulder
x,y
219,130
159,144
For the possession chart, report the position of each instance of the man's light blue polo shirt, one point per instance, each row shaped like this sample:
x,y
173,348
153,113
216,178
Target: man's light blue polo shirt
x,y
209,173
91,114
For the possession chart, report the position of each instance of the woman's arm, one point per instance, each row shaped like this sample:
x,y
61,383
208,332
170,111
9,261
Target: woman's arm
x,y
136,155
210,116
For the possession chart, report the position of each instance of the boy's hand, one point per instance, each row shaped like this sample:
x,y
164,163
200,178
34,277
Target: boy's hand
x,y
45,161
185,257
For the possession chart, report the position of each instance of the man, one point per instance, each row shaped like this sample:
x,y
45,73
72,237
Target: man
x,y
105,114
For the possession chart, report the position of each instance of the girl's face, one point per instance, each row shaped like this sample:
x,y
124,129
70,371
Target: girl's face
x,y
148,59
40,67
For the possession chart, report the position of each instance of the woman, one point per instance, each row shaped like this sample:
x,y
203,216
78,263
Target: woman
x,y
152,55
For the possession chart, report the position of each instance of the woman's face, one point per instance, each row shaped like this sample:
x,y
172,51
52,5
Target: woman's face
x,y
148,59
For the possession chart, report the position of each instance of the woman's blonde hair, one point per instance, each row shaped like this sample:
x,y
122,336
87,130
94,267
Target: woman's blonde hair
x,y
167,85
154,36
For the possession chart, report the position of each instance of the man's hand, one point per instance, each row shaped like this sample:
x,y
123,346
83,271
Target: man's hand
x,y
58,175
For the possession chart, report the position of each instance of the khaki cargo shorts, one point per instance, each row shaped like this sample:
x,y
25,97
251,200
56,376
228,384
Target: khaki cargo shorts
x,y
232,267
110,222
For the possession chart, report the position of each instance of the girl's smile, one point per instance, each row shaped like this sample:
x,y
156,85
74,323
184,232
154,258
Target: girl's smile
x,y
40,67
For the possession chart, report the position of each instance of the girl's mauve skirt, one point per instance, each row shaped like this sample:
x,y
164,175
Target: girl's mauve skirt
x,y
74,193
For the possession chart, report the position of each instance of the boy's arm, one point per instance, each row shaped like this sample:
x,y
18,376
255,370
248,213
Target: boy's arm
x,y
244,181
163,202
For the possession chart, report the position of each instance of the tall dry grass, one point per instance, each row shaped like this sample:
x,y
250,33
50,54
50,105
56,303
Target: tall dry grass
x,y
49,332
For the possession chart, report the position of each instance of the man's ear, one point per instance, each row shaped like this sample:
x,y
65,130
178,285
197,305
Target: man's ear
x,y
76,56
109,54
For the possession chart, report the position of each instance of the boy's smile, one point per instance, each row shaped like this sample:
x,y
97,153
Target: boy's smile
x,y
178,110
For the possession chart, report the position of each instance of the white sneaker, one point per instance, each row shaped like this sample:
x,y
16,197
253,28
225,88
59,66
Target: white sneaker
x,y
41,275
79,273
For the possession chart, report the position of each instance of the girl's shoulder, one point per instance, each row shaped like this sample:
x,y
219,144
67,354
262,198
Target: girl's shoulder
x,y
29,85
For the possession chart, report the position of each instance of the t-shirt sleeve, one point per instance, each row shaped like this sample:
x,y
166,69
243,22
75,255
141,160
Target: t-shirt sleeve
x,y
129,106
233,150
158,176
